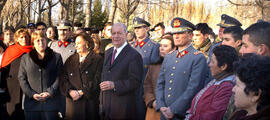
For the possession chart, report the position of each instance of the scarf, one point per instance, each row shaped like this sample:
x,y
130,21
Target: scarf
x,y
13,52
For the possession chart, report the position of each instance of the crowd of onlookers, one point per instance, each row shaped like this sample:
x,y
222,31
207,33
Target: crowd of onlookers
x,y
75,73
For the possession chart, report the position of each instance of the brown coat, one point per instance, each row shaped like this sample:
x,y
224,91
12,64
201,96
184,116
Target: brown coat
x,y
149,91
85,77
14,104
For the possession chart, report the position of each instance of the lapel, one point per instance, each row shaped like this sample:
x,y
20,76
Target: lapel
x,y
108,57
121,55
87,62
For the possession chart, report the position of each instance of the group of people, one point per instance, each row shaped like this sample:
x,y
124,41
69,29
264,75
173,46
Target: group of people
x,y
50,73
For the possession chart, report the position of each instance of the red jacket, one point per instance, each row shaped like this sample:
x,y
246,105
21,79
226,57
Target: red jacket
x,y
213,103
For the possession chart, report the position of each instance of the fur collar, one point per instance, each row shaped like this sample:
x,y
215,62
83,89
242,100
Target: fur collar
x,y
42,63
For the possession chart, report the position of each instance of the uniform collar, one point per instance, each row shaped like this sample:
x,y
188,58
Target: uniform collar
x,y
142,43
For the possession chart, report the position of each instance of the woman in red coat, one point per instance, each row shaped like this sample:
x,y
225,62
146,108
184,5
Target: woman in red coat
x,y
211,102
9,69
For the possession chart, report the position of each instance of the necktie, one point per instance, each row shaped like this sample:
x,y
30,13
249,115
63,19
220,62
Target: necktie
x,y
113,56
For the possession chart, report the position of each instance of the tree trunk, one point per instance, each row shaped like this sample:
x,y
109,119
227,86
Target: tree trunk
x,y
49,12
28,11
88,13
112,11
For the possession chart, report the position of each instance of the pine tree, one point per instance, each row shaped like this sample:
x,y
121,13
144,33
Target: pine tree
x,y
99,17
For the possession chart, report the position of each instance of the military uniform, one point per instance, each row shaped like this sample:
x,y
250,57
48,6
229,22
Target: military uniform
x,y
182,75
66,48
149,51
226,21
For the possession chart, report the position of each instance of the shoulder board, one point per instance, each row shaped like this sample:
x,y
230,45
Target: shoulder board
x,y
171,52
197,53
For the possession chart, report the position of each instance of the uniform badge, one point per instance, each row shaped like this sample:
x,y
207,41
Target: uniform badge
x,y
66,43
60,43
176,23
181,54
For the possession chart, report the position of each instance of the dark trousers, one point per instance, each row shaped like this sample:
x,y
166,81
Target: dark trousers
x,y
41,115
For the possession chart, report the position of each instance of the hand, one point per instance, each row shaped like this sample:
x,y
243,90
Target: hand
x,y
75,95
106,85
163,111
166,111
154,104
169,113
45,95
37,97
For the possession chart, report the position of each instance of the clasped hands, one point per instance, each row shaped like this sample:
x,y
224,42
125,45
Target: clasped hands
x,y
42,96
106,85
166,111
75,94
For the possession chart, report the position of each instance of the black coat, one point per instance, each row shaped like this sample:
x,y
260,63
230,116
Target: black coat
x,y
86,77
37,76
126,72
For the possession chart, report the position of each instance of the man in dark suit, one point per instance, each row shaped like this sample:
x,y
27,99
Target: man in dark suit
x,y
121,76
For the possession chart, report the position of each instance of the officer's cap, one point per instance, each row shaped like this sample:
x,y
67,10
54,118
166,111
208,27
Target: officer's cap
x,y
180,25
228,21
139,22
64,24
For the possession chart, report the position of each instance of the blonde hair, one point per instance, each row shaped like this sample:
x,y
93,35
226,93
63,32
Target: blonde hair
x,y
35,35
19,32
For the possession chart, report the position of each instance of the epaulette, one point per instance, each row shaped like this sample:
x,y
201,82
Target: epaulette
x,y
197,52
171,52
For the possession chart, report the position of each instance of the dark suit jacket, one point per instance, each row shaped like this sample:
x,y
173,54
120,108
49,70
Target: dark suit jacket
x,y
126,72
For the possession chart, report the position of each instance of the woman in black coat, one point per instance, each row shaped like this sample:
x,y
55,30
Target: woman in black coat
x,y
38,77
79,80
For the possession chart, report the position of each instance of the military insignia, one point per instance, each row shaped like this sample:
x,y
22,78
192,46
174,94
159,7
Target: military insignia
x,y
197,52
176,23
66,43
60,43
136,44
183,53
136,22
142,43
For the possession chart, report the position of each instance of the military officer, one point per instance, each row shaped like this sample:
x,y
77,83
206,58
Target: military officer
x,y
65,45
183,73
201,39
149,51
226,21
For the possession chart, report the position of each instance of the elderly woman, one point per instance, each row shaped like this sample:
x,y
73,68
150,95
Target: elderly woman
x,y
80,79
9,71
211,102
252,91
166,45
38,77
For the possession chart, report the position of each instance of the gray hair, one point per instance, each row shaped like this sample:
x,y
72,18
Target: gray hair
x,y
121,24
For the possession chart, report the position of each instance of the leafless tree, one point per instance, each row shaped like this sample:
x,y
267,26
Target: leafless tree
x,y
88,13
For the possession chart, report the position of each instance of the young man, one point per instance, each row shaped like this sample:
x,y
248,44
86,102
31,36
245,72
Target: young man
x,y
256,39
42,27
232,36
201,39
159,31
183,73
149,51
